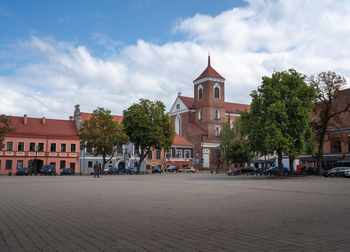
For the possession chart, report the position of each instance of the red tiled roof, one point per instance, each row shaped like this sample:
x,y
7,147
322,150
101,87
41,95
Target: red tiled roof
x,y
35,127
209,72
87,116
230,107
194,124
181,141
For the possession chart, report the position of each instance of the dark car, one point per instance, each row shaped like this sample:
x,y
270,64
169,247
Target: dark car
x,y
112,170
131,170
22,171
156,169
48,170
245,170
67,171
171,168
336,172
274,171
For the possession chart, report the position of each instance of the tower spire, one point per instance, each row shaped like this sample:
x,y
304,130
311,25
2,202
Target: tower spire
x,y
208,58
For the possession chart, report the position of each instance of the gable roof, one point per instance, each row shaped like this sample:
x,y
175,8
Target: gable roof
x,y
43,127
188,101
181,141
197,127
87,116
209,72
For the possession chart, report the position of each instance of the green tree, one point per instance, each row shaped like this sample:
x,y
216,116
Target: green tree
x,y
331,102
5,127
148,127
235,148
278,121
102,134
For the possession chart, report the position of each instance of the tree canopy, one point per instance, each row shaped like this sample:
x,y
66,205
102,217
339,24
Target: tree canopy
x,y
101,134
5,127
278,121
148,127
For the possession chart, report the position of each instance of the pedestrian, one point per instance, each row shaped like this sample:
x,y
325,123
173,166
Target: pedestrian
x,y
97,170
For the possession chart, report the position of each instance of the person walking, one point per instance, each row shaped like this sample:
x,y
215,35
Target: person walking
x,y
97,170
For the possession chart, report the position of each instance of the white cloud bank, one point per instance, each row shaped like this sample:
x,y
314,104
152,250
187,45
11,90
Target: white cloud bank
x,y
245,44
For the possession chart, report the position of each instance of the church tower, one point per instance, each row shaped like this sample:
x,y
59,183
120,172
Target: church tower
x,y
209,101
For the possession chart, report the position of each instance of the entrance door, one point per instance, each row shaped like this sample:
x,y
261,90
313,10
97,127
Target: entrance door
x,y
35,165
72,166
206,154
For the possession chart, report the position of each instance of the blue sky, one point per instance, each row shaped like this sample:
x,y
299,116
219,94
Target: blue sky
x,y
55,54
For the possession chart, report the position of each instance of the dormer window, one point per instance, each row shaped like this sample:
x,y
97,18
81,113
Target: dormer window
x,y
200,92
177,106
217,114
217,91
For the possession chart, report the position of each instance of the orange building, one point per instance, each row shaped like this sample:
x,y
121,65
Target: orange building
x,y
39,141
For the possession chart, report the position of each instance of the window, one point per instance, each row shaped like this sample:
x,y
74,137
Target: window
x,y
89,149
9,146
63,147
217,114
53,147
150,155
8,164
19,164
200,92
335,146
187,153
178,124
72,148
32,147
158,154
62,164
199,115
20,146
217,130
53,164
177,106
119,148
40,147
216,91
90,164
178,153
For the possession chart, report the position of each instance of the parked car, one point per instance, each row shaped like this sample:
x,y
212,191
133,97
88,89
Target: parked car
x,y
188,169
171,168
131,170
67,171
156,169
336,172
22,171
112,170
347,173
245,170
274,171
48,170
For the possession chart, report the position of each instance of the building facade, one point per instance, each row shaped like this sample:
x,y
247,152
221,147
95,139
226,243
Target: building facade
x,y
40,141
200,119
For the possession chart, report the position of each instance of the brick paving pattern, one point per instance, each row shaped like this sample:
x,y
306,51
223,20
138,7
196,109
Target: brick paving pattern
x,y
174,212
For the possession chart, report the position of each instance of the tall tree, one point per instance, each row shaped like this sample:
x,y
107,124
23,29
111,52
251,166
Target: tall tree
x,y
331,103
102,134
5,127
148,127
278,121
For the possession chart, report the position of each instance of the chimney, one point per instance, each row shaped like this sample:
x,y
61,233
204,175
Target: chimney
x,y
25,119
70,118
43,120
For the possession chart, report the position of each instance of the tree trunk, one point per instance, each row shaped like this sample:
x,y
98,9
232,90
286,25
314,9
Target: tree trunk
x,y
280,164
103,164
320,152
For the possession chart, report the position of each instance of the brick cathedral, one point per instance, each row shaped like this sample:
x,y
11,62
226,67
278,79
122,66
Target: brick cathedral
x,y
201,118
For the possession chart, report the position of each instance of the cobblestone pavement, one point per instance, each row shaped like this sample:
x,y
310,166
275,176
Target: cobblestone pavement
x,y
174,212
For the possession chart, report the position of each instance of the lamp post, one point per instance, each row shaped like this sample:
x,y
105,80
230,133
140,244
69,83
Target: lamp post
x,y
36,161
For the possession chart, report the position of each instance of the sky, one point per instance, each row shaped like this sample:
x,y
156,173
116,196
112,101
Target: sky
x,y
56,54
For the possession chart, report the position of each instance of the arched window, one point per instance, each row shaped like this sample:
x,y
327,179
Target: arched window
x,y
217,130
217,91
200,92
178,125
199,115
90,164
217,114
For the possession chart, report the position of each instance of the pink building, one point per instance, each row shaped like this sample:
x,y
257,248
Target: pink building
x,y
39,141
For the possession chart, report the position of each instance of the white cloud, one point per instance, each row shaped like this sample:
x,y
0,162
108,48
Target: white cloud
x,y
245,44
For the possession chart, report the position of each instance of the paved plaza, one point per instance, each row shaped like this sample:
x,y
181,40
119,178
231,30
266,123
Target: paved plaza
x,y
174,212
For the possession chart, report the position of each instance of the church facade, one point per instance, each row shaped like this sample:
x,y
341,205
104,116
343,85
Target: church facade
x,y
200,119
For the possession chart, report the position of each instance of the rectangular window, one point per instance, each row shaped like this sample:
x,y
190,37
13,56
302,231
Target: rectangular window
x,y
20,146
336,146
158,154
40,147
72,148
32,147
19,164
62,164
8,164
53,147
187,153
150,155
63,147
179,153
9,146
89,150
